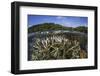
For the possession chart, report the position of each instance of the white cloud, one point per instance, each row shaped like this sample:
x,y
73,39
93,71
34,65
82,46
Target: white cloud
x,y
29,25
60,17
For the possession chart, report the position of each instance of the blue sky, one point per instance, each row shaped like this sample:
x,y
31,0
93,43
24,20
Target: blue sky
x,y
69,21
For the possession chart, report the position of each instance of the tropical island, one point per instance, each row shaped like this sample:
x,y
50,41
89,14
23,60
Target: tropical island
x,y
53,26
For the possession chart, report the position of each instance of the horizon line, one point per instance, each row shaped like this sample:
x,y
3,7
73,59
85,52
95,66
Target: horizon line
x,y
57,23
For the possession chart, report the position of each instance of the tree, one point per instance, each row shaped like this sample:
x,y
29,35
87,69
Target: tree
x,y
81,29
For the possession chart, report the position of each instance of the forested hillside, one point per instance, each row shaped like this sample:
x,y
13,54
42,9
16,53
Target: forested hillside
x,y
53,26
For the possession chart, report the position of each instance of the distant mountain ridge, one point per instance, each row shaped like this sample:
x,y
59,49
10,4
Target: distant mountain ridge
x,y
53,26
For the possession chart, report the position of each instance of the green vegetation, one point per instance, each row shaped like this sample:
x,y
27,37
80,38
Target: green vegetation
x,y
81,29
52,26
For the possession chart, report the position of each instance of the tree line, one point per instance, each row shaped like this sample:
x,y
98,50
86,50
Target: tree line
x,y
53,26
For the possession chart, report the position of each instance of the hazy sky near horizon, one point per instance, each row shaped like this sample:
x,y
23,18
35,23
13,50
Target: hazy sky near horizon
x,y
68,21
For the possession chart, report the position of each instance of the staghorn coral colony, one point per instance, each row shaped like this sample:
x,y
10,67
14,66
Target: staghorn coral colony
x,y
52,45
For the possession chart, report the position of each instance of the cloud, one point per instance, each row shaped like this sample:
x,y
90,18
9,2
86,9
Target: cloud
x,y
29,25
60,17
